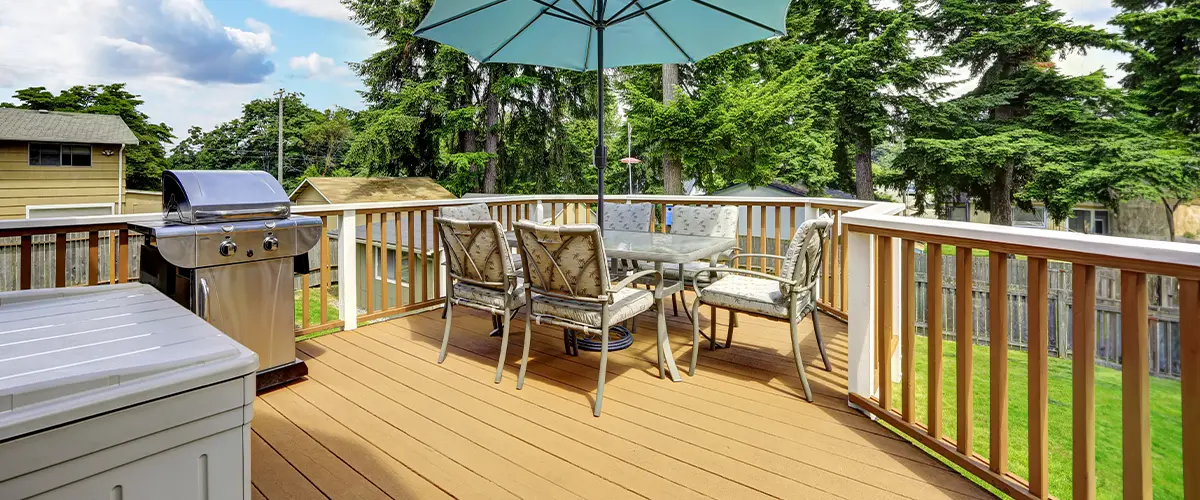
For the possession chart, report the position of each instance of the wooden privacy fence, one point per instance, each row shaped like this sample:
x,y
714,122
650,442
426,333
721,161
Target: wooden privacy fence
x,y
1163,313
883,247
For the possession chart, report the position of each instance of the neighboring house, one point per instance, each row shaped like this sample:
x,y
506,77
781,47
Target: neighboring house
x,y
424,265
55,164
1144,219
337,190
779,189
142,202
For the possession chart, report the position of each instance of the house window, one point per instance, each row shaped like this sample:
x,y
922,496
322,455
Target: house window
x,y
1089,221
56,155
391,272
1030,218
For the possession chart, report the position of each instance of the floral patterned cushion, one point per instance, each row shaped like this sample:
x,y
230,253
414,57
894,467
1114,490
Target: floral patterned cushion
x,y
807,240
627,303
490,298
478,211
477,250
750,294
564,260
704,221
627,216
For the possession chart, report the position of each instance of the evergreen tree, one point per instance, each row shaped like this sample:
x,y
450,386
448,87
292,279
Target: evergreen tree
x,y
1164,69
872,72
1023,120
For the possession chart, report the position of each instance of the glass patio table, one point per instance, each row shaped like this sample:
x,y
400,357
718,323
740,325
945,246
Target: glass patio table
x,y
661,249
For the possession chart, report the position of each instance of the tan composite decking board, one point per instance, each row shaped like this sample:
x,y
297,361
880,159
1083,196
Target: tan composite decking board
x,y
378,415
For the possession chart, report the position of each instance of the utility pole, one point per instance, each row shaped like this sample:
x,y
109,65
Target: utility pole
x,y
279,174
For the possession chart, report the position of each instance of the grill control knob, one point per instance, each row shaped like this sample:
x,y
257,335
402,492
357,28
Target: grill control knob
x,y
227,248
271,244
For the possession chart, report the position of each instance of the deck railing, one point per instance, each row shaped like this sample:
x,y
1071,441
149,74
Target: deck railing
x,y
869,281
882,325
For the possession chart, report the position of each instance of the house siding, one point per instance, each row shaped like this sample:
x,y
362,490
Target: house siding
x,y
425,265
309,196
22,184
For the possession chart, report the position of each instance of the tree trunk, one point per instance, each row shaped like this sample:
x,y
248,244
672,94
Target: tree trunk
x,y
1170,209
864,178
491,145
1000,196
672,167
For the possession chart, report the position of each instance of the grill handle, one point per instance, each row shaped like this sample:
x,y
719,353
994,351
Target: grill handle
x,y
203,302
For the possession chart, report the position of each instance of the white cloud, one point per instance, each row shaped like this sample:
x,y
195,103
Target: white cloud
x,y
316,66
188,67
325,9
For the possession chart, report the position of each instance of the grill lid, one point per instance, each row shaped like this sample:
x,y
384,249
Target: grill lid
x,y
206,196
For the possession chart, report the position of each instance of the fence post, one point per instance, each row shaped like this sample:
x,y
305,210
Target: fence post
x,y
348,270
860,311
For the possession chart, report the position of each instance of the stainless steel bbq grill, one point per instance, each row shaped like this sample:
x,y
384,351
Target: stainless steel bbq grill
x,y
226,248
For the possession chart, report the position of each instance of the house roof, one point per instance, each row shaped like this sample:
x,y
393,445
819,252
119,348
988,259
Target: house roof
x,y
798,189
56,126
361,235
338,190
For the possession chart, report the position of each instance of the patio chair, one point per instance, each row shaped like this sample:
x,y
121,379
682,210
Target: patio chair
x,y
476,211
628,216
718,221
568,285
481,276
790,296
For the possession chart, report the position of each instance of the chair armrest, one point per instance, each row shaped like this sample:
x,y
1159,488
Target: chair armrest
x,y
744,272
631,278
755,255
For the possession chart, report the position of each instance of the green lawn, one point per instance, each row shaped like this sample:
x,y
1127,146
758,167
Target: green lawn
x,y
1165,419
314,310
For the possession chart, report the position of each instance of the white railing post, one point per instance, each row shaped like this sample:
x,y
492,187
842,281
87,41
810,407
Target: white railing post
x,y
539,212
860,311
348,270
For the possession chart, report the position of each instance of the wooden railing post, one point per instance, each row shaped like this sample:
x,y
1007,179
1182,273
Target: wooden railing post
x,y
1038,375
963,335
348,270
1189,361
1083,381
884,286
998,350
933,332
1135,386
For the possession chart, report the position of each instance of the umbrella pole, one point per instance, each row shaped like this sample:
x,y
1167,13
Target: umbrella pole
x,y
601,156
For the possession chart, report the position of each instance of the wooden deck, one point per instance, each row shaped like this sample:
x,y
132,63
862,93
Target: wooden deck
x,y
379,418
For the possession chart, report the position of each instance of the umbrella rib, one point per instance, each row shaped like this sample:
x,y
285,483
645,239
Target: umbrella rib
x,y
582,8
518,33
641,11
738,16
619,12
569,16
458,16
664,32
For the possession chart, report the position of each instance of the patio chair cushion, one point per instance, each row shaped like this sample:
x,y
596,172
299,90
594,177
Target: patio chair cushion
x,y
721,221
477,211
749,294
627,303
804,253
627,216
474,296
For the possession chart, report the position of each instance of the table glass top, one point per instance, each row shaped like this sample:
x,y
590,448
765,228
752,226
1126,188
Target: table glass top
x,y
660,247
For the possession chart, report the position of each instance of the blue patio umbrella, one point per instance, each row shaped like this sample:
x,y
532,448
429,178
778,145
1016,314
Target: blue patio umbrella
x,y
586,35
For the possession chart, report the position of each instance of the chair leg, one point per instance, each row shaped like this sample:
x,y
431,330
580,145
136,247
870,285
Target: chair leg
x,y
503,347
446,334
603,370
674,305
712,341
821,341
696,333
799,360
662,366
525,352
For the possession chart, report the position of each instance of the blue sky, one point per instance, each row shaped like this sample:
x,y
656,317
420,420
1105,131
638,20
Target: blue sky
x,y
196,62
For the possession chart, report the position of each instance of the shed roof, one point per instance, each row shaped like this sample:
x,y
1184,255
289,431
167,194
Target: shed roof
x,y
57,126
370,189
